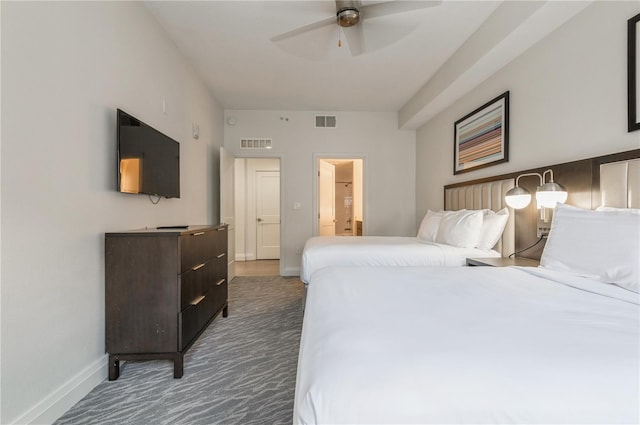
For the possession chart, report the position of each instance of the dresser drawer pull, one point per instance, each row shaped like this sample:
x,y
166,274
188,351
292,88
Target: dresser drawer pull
x,y
197,300
220,229
220,282
221,255
199,266
198,234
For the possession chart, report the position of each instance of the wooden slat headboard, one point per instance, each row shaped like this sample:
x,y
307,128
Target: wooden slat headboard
x,y
489,195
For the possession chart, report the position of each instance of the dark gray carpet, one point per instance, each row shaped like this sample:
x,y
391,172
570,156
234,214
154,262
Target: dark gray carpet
x,y
242,369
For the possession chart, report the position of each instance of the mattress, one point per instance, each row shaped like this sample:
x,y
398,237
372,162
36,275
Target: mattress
x,y
466,345
399,251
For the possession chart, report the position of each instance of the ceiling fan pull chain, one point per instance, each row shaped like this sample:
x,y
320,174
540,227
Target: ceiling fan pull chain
x,y
339,37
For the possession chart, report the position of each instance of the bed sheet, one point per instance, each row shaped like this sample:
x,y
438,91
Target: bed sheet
x,y
466,345
400,251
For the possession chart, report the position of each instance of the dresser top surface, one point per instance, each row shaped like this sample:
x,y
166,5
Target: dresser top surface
x,y
167,231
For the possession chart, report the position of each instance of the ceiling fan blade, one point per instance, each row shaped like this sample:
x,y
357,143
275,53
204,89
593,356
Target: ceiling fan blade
x,y
392,7
303,29
355,39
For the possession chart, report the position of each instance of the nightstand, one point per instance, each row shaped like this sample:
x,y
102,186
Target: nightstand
x,y
503,262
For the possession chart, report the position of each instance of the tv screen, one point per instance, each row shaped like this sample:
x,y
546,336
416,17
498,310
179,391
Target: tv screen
x,y
148,161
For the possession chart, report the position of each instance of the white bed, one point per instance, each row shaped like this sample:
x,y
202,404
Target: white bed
x,y
325,251
374,251
467,345
558,343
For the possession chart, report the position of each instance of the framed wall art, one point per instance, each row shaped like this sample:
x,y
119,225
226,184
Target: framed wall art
x,y
481,138
633,73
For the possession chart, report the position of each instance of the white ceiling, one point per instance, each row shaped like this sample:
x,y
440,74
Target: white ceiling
x,y
229,44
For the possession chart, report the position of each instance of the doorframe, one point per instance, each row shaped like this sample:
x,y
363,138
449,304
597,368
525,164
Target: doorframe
x,y
283,213
365,186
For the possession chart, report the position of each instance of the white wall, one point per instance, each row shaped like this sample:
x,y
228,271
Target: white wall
x,y
568,97
66,67
389,168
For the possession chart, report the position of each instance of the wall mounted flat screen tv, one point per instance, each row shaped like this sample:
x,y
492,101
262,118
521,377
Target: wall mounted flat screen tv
x,y
148,161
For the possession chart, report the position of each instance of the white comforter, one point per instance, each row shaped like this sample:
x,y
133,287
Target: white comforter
x,y
466,345
403,251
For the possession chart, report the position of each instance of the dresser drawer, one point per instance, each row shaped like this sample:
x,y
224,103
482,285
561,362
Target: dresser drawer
x,y
219,292
196,248
221,241
219,265
193,318
196,282
188,321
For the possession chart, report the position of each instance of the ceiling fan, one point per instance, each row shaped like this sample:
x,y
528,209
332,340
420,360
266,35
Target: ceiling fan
x,y
350,15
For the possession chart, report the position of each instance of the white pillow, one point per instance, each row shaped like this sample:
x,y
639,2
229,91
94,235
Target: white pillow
x,y
602,245
493,224
620,210
460,228
429,226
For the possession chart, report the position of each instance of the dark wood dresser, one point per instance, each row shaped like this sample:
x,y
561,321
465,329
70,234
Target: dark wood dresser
x,y
162,289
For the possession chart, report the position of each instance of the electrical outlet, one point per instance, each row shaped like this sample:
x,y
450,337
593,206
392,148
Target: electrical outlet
x,y
543,230
545,216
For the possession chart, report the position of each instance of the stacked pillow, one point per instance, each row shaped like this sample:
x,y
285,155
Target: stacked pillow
x,y
464,228
493,224
429,226
602,245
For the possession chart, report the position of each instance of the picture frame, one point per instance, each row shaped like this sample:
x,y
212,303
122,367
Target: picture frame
x,y
633,73
481,138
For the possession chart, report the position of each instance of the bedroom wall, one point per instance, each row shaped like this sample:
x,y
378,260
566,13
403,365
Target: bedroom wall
x,y
389,168
66,67
568,97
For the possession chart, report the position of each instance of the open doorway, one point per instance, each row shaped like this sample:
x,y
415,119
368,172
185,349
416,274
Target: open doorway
x,y
340,196
257,209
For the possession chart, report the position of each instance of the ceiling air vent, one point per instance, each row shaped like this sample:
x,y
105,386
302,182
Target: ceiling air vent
x,y
328,121
255,143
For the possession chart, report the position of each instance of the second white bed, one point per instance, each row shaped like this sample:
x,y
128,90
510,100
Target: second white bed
x,y
324,251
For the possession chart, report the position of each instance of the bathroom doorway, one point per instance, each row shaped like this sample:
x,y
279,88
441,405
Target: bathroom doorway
x,y
340,188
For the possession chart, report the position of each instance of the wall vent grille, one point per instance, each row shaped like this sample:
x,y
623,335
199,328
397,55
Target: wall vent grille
x,y
326,121
255,143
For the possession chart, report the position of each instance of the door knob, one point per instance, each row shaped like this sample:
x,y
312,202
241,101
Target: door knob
x,y
258,220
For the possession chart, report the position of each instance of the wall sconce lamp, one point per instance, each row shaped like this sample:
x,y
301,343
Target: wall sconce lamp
x,y
547,194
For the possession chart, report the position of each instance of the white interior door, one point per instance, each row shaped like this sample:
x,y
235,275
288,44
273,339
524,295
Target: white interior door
x,y
227,206
326,199
268,215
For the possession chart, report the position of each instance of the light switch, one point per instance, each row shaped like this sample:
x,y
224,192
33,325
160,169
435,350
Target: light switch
x,y
296,205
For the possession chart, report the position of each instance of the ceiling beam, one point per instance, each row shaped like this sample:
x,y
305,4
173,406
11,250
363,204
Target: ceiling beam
x,y
509,31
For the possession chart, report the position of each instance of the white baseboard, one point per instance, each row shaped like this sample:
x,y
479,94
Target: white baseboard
x,y
291,271
246,257
49,409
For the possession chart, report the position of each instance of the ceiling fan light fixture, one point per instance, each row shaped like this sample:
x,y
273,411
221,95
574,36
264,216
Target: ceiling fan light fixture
x,y
348,16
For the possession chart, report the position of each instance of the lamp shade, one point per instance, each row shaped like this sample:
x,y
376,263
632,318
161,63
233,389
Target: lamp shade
x,y
517,197
551,193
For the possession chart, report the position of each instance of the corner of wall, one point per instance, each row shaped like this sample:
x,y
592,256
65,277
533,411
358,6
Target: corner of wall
x,y
291,271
